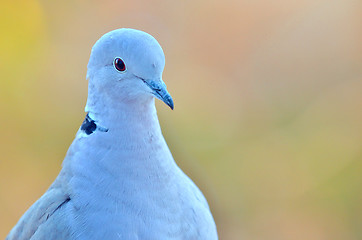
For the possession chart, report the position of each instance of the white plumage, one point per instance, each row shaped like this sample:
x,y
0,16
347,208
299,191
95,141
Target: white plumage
x,y
119,180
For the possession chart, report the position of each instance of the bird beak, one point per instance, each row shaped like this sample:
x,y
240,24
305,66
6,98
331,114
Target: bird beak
x,y
159,89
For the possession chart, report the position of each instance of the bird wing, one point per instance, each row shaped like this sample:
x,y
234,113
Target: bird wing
x,y
43,218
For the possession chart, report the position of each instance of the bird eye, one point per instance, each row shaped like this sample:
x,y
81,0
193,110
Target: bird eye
x,y
119,64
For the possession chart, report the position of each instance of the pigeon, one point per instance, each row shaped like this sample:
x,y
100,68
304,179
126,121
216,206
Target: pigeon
x,y
119,179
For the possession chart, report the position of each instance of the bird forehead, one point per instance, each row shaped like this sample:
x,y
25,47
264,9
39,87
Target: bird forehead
x,y
130,44
138,49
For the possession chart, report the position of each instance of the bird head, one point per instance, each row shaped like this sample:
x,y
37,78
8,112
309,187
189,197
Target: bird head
x,y
127,65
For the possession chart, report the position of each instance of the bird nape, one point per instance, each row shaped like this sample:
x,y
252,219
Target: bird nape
x,y
119,179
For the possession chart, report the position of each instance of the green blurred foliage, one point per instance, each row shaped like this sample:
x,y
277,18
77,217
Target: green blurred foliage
x,y
268,105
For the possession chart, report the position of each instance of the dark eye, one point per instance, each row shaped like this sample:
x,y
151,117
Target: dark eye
x,y
119,64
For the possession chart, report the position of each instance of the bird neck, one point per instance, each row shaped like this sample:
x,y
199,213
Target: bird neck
x,y
132,144
136,115
131,139
131,148
127,125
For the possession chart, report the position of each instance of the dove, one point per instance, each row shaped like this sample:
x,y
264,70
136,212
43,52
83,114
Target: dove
x,y
119,179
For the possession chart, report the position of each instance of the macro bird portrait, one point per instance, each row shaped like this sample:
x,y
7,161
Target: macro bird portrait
x,y
187,120
119,179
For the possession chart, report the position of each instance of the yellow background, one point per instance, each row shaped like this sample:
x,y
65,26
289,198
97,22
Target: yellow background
x,y
268,105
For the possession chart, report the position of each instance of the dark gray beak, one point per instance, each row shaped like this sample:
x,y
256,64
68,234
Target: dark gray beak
x,y
159,89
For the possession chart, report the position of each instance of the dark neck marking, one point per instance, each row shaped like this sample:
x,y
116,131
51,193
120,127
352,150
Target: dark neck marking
x,y
89,126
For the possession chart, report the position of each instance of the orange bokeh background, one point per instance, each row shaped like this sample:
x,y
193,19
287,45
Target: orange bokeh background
x,y
268,105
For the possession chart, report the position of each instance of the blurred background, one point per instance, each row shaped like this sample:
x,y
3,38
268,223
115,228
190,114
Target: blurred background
x,y
268,105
